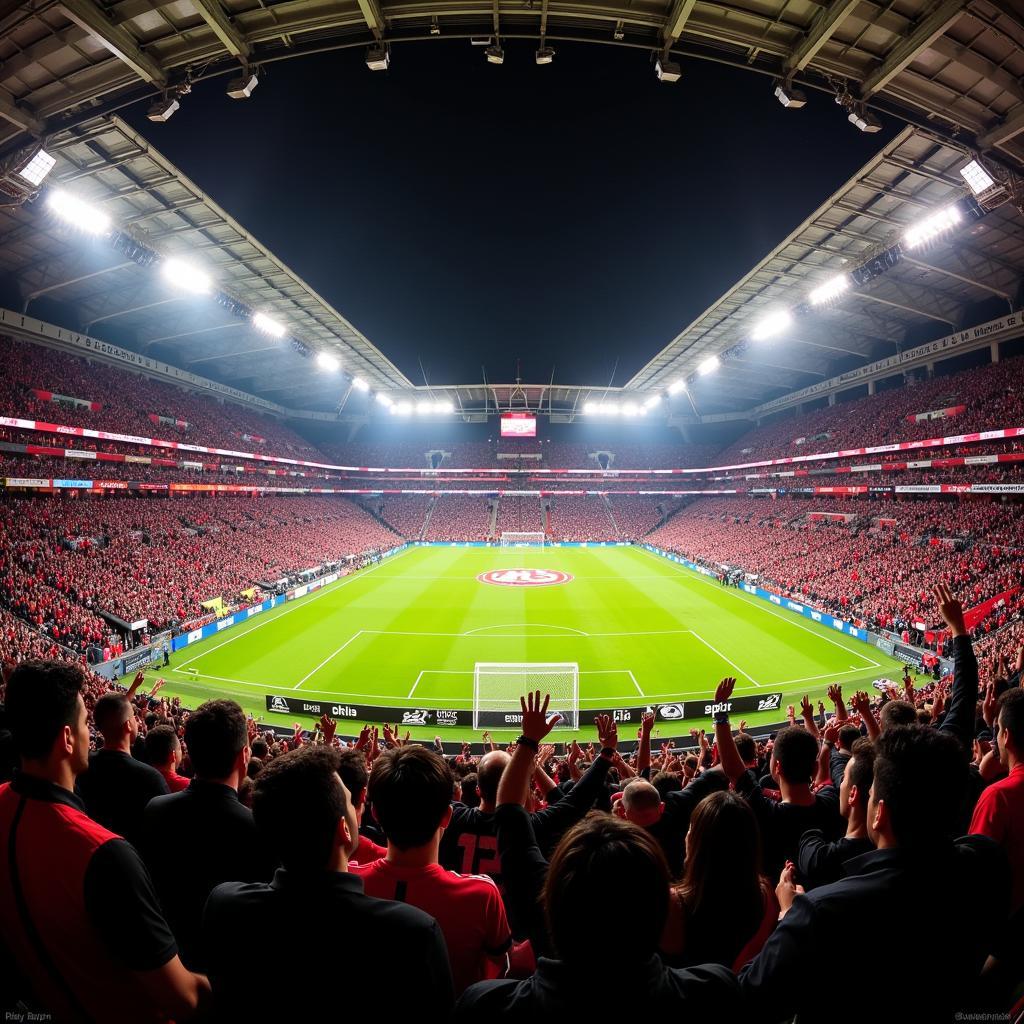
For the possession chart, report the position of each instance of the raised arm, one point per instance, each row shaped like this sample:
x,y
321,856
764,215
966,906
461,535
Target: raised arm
x,y
959,719
861,703
732,763
513,787
835,694
807,711
643,753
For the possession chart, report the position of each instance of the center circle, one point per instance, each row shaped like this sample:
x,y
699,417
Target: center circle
x,y
524,577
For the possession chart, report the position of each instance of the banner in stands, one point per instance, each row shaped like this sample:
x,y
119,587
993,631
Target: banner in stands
x,y
432,717
849,628
81,403
937,414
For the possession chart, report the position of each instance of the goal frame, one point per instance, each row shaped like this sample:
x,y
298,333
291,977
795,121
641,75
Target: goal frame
x,y
515,538
509,708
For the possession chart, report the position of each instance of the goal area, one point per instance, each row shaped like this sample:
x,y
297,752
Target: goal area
x,y
511,539
498,685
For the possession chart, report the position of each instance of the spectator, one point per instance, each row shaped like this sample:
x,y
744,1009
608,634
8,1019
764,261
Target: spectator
x,y
600,858
117,787
352,769
724,908
78,913
303,812
918,881
163,752
410,790
195,839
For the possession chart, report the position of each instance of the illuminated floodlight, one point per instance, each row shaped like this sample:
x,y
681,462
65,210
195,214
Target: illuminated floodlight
x,y
932,226
495,55
630,409
444,407
359,384
378,58
37,168
386,401
667,70
328,362
590,408
772,324
609,409
402,408
423,407
545,55
268,325
830,290
676,386
186,276
652,402
977,177
78,214
709,365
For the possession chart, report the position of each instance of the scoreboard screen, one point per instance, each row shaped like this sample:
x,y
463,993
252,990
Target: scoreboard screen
x,y
518,424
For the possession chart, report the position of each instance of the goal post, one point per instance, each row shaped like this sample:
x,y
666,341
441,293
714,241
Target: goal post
x,y
498,685
511,538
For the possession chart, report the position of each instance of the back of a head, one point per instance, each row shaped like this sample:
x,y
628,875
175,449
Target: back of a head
x,y
411,790
470,792
42,698
488,774
111,712
897,712
1011,717
796,752
161,742
746,746
640,799
848,735
353,771
862,769
215,734
665,783
605,870
921,775
298,801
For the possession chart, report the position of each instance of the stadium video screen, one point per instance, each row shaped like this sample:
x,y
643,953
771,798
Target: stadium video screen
x,y
518,424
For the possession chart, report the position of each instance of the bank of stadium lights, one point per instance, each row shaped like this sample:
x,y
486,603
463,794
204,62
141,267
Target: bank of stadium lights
x,y
378,58
774,323
328,362
385,400
185,276
359,384
830,290
676,386
494,54
977,177
627,410
268,325
401,408
709,365
545,55
932,226
77,213
667,70
37,167
653,402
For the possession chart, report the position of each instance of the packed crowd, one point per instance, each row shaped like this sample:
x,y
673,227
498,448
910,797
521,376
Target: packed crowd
x,y
718,880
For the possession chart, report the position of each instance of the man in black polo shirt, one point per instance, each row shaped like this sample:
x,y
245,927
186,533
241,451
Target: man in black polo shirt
x,y
117,787
196,839
78,914
323,926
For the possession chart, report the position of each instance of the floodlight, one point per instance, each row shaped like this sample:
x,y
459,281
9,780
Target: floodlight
x,y
652,402
328,362
444,407
709,365
184,275
590,408
931,227
830,290
37,167
864,120
495,55
630,409
667,70
609,409
977,177
386,401
619,34
772,324
676,386
545,55
480,40
789,96
241,88
378,58
435,29
81,215
402,408
359,384
163,108
268,325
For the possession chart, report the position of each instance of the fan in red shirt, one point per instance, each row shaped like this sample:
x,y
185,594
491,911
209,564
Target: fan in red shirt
x,y
163,752
410,792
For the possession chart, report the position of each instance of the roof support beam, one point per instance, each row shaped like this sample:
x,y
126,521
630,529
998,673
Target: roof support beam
x,y
229,355
915,310
1009,128
820,32
828,348
926,32
117,40
19,115
145,345
213,14
37,292
678,16
959,277
373,17
124,312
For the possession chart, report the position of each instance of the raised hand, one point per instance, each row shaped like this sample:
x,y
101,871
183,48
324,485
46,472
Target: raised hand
x,y
835,694
328,726
724,689
831,734
990,706
861,703
536,724
607,732
647,722
806,707
950,609
140,677
787,890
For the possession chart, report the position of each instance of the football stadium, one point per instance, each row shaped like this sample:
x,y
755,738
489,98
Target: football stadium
x,y
488,490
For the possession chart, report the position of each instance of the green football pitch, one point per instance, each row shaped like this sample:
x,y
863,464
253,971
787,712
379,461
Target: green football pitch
x,y
408,631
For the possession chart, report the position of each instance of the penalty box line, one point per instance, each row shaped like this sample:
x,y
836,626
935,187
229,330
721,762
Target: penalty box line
x,y
583,672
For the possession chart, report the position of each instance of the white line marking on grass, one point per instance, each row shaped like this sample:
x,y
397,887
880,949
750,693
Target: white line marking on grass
x,y
757,603
824,675
510,625
330,657
414,685
300,602
636,684
724,658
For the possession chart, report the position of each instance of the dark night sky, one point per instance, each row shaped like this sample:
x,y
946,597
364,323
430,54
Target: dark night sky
x,y
465,214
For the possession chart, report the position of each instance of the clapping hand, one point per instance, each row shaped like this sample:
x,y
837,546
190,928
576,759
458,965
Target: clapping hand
x,y
536,724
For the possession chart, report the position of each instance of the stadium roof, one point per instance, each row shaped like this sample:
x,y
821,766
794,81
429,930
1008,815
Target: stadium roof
x,y
956,64
913,175
116,299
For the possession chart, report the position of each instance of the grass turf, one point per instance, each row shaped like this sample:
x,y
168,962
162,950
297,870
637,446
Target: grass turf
x,y
409,630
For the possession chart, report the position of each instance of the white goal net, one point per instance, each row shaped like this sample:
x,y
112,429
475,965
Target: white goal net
x,y
512,539
498,685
